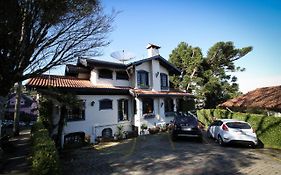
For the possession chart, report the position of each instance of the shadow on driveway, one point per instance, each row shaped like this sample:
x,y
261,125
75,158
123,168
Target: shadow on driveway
x,y
157,154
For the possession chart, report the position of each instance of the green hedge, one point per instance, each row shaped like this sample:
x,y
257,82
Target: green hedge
x,y
45,159
268,128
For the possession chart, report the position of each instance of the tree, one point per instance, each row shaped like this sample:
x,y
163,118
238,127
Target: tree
x,y
37,35
208,77
53,97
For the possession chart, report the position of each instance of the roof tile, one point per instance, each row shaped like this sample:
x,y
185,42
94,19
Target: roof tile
x,y
264,98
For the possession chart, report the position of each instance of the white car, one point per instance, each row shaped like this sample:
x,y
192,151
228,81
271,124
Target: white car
x,y
232,131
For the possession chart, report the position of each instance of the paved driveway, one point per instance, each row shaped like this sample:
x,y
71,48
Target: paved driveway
x,y
157,154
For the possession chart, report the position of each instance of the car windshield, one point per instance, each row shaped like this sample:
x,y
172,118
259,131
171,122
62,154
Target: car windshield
x,y
183,119
238,125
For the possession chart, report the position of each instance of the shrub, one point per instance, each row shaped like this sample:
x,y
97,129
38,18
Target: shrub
x,y
268,128
45,159
154,130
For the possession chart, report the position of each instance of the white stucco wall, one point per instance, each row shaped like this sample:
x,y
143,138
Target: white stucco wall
x,y
152,67
96,120
155,72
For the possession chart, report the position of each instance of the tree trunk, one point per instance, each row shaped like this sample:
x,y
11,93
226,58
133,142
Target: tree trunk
x,y
60,127
16,130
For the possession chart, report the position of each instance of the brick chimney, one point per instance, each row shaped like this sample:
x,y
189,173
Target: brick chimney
x,y
152,50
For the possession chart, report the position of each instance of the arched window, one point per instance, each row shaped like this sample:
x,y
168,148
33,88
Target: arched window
x,y
106,133
105,73
105,104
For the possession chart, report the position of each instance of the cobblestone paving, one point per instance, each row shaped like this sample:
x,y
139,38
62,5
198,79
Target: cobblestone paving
x,y
157,154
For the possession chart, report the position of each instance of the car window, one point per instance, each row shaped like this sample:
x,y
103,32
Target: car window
x,y
216,123
219,123
186,119
238,125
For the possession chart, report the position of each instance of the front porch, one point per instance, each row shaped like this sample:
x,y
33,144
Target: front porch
x,y
153,108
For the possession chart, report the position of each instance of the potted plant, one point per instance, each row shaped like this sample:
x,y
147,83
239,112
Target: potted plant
x,y
143,128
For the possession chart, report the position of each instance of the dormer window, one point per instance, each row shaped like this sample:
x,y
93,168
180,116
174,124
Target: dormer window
x,y
105,73
122,75
164,81
142,79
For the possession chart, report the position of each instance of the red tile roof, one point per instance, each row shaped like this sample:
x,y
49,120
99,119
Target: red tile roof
x,y
261,98
66,82
59,81
73,83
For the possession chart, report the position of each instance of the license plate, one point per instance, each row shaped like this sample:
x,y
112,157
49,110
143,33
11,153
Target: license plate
x,y
186,129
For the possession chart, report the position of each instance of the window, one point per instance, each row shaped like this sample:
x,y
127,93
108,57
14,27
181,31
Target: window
x,y
74,138
148,107
169,105
164,81
107,133
122,109
122,75
105,104
76,113
142,79
179,105
105,73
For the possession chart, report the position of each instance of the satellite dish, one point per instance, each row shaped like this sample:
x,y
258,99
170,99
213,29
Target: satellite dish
x,y
122,55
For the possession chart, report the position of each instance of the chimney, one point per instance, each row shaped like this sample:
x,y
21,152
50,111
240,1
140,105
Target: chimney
x,y
152,50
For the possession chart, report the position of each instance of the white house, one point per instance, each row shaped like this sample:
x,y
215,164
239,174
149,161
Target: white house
x,y
117,94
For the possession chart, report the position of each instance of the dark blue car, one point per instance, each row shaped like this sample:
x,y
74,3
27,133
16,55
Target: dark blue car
x,y
186,125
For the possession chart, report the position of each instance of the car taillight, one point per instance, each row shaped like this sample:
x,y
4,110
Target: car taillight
x,y
224,127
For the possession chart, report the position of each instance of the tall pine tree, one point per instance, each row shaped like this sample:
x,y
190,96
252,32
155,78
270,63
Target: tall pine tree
x,y
208,77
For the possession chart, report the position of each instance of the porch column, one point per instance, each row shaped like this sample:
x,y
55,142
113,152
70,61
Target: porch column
x,y
175,104
138,115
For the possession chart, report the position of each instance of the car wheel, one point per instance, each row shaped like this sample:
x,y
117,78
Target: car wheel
x,y
220,141
252,145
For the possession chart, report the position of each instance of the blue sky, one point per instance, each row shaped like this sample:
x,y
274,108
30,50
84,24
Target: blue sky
x,y
202,23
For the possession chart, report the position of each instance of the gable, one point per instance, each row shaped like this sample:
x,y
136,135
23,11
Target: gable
x,y
163,62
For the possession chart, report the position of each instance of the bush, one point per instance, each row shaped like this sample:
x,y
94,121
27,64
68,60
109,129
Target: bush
x,y
268,128
154,130
45,159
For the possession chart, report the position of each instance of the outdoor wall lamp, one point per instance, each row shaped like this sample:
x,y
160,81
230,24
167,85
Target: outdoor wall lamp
x,y
156,74
92,103
162,104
